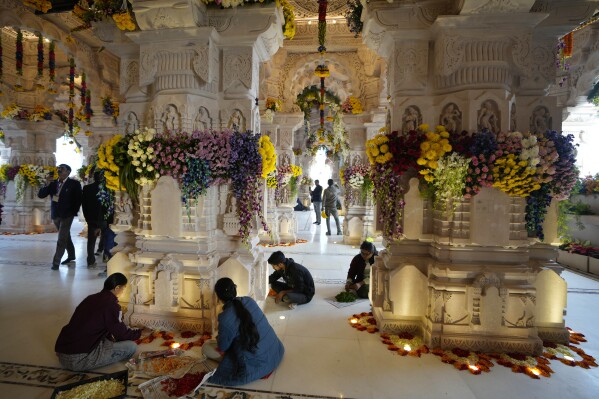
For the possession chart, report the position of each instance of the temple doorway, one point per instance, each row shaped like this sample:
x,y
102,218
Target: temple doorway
x,y
320,168
68,152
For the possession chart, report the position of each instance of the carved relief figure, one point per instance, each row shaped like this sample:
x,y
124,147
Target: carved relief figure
x,y
237,120
202,120
411,119
451,118
540,120
131,123
488,117
170,118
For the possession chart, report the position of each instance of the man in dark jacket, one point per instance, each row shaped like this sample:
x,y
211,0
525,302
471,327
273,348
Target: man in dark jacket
x,y
316,198
297,286
97,217
65,194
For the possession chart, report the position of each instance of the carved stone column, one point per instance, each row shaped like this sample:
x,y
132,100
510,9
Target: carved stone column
x,y
467,276
192,68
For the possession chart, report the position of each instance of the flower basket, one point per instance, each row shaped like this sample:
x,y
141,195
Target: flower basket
x,y
594,266
573,261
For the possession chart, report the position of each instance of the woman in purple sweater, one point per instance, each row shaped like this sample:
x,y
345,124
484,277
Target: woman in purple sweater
x,y
96,335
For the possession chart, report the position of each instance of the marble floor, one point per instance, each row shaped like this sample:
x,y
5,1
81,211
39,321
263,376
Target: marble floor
x,y
324,358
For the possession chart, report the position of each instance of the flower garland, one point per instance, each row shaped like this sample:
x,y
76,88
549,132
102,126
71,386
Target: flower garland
x,y
296,176
52,67
268,154
124,20
273,104
566,174
406,343
71,104
40,62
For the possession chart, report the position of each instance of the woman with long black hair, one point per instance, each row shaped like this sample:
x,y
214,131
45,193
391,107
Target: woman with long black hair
x,y
247,346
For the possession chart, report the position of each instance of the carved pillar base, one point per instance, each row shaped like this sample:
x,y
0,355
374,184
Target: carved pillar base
x,y
358,224
30,215
484,299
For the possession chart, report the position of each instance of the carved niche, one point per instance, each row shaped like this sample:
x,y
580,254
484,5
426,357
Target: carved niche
x,y
451,118
411,119
540,120
237,121
131,123
489,117
202,121
170,119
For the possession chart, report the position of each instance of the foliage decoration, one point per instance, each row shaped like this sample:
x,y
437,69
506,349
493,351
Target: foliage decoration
x,y
353,16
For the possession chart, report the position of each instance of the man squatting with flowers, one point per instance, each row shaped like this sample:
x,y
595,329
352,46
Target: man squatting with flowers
x,y
65,195
297,286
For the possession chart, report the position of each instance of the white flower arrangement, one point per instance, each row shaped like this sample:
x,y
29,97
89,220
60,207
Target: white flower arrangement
x,y
142,155
530,151
356,181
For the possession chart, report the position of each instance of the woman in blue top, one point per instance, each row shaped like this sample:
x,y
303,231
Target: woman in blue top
x,y
248,348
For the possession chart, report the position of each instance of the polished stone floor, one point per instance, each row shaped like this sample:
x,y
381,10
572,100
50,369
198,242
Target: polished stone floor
x,y
324,358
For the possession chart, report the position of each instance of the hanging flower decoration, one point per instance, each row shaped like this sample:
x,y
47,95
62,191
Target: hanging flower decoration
x,y
88,107
353,16
83,90
245,168
352,105
110,107
450,180
107,162
19,60
268,154
195,182
52,67
40,62
124,21
71,104
289,18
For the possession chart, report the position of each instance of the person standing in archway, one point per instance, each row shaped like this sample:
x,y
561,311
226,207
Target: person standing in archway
x,y
316,198
330,198
66,200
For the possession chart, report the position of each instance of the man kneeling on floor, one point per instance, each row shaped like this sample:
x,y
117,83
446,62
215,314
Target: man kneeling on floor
x,y
297,286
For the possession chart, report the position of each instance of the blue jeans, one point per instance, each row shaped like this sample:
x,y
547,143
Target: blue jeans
x,y
105,353
317,210
108,241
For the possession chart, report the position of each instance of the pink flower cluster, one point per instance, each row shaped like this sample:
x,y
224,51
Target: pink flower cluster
x,y
214,148
479,174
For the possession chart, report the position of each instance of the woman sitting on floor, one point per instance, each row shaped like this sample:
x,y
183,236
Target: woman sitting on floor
x,y
96,335
248,348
